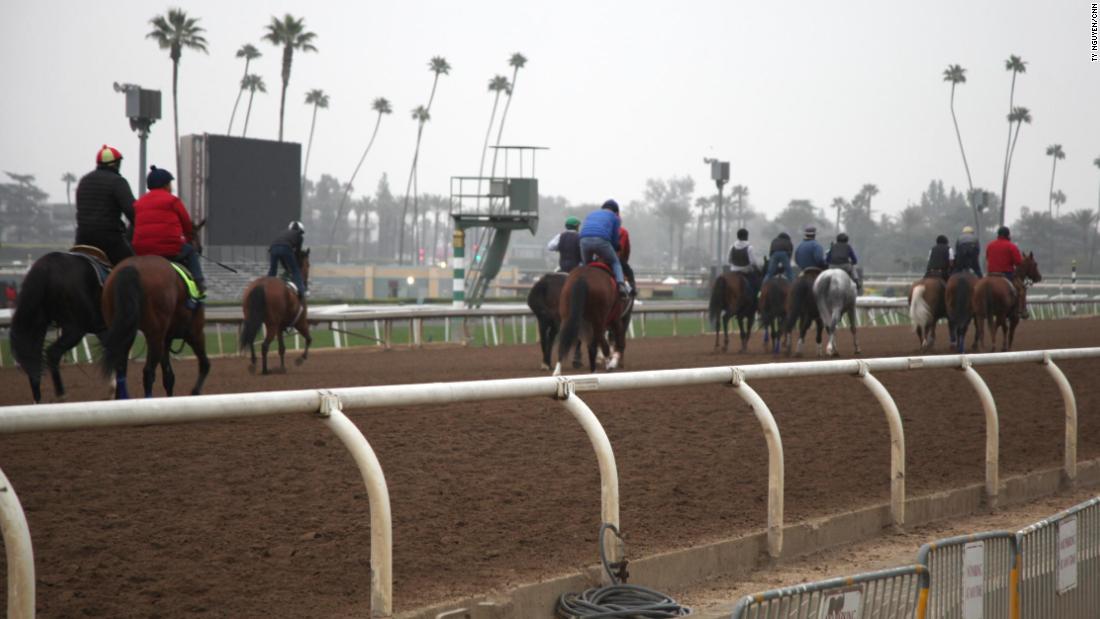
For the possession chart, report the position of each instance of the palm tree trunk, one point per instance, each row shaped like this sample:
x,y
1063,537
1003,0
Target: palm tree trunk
x,y
248,114
504,117
176,117
408,189
1050,194
309,148
969,181
435,234
488,132
288,55
238,101
347,188
1008,154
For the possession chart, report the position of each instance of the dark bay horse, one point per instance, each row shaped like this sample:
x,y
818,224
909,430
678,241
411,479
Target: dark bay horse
x,y
60,289
927,305
591,307
146,293
802,309
543,299
731,296
958,298
271,302
1000,302
773,311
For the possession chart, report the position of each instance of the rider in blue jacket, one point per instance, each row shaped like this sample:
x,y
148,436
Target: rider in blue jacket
x,y
600,239
810,253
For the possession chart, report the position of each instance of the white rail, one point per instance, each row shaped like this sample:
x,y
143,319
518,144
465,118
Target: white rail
x,y
329,406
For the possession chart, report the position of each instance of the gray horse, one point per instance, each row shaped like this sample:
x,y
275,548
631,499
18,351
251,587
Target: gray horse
x,y
835,293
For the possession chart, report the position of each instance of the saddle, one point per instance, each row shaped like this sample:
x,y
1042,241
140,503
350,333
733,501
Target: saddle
x,y
95,257
194,297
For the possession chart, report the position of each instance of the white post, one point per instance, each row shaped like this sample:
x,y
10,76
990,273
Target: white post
x,y
775,459
377,335
897,442
87,349
381,523
1070,459
605,457
335,334
992,432
20,554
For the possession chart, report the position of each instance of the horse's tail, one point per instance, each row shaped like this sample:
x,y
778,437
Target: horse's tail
x,y
257,308
127,297
571,326
919,312
794,302
30,318
961,306
717,300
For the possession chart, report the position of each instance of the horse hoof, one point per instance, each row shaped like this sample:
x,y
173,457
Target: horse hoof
x,y
252,369
299,361
265,372
196,392
544,367
557,369
63,398
577,365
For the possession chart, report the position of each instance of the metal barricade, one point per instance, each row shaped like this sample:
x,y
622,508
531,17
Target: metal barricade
x,y
1059,559
969,576
885,594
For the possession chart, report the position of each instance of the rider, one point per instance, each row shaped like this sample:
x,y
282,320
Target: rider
x,y
102,197
162,226
939,259
624,257
967,252
779,257
842,256
285,249
600,239
568,244
1002,257
810,254
743,259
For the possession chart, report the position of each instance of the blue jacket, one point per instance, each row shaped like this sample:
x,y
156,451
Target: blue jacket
x,y
810,253
602,224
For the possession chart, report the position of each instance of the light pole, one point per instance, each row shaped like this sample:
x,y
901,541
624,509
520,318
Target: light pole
x,y
719,173
143,109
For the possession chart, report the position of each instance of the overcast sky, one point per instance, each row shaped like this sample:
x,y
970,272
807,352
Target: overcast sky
x,y
805,99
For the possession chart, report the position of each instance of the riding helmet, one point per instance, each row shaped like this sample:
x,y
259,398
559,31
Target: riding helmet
x,y
941,240
572,223
296,225
108,154
1003,232
742,235
158,177
842,238
612,206
810,231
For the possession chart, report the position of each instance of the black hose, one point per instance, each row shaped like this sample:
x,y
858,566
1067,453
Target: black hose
x,y
618,600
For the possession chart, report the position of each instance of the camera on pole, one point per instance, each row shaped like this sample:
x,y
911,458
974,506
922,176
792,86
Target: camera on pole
x,y
720,174
143,109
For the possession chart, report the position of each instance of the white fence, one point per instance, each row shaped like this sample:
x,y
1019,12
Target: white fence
x,y
328,406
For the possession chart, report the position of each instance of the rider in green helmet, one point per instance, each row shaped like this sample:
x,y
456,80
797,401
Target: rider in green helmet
x,y
568,244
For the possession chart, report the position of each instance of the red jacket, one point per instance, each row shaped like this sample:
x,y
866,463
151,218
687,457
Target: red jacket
x,y
624,245
161,224
1002,256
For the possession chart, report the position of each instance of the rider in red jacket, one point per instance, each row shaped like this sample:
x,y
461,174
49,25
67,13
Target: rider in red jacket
x,y
162,226
1001,258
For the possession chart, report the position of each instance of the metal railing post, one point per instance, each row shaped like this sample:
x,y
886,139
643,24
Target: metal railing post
x,y
381,523
605,457
992,432
1070,458
20,554
775,458
897,442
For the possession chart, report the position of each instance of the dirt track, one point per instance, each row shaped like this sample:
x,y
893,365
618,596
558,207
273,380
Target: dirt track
x,y
268,517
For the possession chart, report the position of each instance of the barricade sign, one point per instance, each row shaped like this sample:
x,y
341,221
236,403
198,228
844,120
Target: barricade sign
x,y
1067,554
973,579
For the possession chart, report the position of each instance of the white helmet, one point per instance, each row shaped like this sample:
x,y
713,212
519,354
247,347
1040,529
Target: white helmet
x,y
296,225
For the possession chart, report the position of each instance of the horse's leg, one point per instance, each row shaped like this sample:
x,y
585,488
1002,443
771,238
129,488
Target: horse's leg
x,y
167,376
717,330
197,341
746,332
592,354
1012,331
282,351
726,316
1004,333
820,326
303,329
70,336
803,326
545,341
37,338
153,353
855,333
577,362
271,330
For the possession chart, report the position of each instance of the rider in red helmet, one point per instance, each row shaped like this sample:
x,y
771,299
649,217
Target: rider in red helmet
x,y
103,198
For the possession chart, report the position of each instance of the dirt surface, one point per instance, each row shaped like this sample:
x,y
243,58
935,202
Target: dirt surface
x,y
268,517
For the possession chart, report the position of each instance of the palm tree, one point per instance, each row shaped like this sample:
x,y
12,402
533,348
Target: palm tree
x,y
422,114
869,191
249,52
740,191
252,83
382,106
318,99
497,85
957,75
1055,152
1059,199
69,178
173,32
517,62
1017,66
1019,115
839,203
289,32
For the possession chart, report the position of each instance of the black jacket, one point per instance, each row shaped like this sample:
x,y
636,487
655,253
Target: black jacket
x,y
781,244
102,196
290,238
569,247
939,259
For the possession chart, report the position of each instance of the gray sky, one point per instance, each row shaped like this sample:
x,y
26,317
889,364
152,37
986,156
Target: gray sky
x,y
806,101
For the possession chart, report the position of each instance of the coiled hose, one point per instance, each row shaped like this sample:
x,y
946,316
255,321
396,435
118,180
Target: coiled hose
x,y
617,600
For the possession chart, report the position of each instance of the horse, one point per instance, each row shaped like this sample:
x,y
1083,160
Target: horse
x,y
993,301
63,289
802,309
773,310
275,304
543,301
958,295
926,307
835,293
146,293
591,306
732,296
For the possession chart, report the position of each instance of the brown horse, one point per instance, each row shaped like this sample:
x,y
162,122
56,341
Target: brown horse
x,y
732,296
1001,302
272,302
958,295
773,310
146,293
927,305
543,299
591,306
802,309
